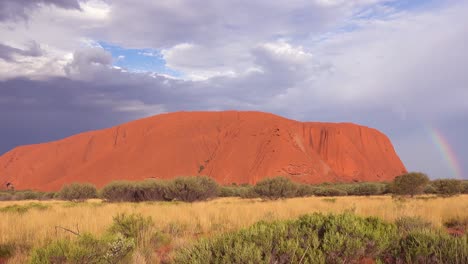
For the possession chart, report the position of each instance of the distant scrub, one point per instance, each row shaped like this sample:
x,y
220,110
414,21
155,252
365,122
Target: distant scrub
x,y
125,191
187,189
191,189
447,187
275,188
318,238
199,188
78,192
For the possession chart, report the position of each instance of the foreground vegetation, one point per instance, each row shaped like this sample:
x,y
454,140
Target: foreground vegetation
x,y
152,232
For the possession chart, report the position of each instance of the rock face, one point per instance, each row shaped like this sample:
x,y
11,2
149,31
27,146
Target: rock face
x,y
240,147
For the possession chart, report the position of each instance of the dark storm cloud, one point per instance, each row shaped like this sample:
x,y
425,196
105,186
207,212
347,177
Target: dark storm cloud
x,y
18,9
8,53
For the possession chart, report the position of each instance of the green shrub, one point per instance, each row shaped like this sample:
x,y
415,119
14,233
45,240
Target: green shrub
x,y
431,247
85,249
430,189
151,190
249,193
191,189
367,189
304,190
131,226
275,188
329,192
119,191
310,239
410,184
78,192
318,239
447,187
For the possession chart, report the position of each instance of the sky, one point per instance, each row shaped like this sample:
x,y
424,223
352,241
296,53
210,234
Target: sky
x,y
68,66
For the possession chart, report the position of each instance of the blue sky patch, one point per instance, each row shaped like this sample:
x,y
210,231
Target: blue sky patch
x,y
139,60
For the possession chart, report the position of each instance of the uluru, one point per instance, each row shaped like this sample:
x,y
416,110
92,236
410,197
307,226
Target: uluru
x,y
229,146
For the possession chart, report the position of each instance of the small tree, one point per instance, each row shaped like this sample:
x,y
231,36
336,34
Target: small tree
x,y
275,188
447,187
410,184
78,192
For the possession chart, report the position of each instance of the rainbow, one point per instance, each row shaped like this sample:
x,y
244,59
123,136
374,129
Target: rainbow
x,y
446,151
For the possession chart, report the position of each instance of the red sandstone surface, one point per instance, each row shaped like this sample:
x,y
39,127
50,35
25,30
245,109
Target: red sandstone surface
x,y
230,146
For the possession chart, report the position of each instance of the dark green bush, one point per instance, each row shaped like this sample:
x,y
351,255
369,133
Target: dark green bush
x,y
194,188
465,187
367,189
119,191
304,190
151,190
275,188
78,192
447,187
430,189
410,184
323,191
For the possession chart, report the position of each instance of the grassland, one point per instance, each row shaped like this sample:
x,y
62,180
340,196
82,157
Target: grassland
x,y
28,224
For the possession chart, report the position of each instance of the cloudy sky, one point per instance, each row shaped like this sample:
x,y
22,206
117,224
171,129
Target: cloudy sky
x,y
68,66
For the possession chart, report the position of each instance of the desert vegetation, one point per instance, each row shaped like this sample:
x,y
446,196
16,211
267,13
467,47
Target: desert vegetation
x,y
167,231
274,221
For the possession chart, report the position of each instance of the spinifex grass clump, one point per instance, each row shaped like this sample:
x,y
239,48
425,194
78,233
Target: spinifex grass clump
x,y
327,239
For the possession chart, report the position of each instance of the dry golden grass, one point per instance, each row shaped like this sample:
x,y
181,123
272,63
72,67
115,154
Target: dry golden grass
x,y
186,221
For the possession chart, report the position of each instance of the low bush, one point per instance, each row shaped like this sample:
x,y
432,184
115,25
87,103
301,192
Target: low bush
x,y
275,188
192,188
318,238
119,191
310,239
325,191
78,192
234,190
367,189
430,247
447,187
133,226
85,249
